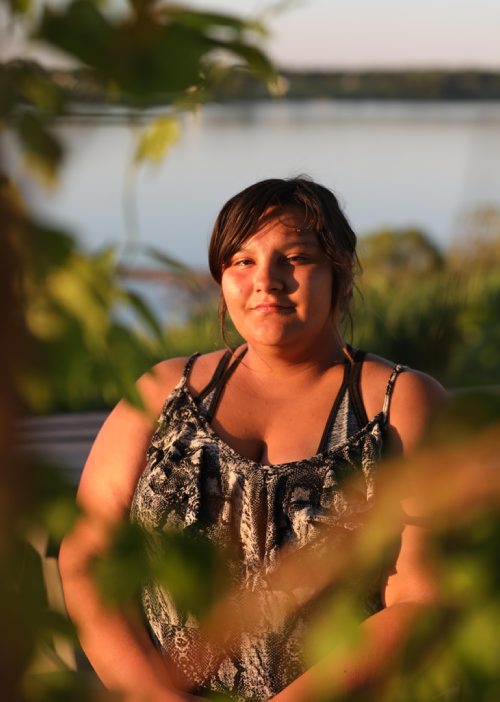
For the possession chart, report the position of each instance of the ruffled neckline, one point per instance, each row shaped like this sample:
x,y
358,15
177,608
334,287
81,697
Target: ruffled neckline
x,y
243,461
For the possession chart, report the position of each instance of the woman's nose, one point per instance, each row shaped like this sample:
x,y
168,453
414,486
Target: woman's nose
x,y
268,277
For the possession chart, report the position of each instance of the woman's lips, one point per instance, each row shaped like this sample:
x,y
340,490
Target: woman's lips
x,y
273,307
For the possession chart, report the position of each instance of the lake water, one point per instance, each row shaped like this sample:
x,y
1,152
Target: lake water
x,y
391,164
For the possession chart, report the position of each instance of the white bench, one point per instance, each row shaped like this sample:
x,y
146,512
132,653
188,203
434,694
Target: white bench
x,y
64,441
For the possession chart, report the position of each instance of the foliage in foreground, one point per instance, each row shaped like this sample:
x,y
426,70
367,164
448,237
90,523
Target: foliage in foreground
x,y
453,644
64,303
64,341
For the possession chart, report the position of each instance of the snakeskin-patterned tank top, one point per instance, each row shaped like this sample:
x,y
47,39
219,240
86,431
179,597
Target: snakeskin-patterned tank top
x,y
194,479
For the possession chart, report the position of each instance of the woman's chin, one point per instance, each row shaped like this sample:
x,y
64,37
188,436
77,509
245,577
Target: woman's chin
x,y
282,332
274,335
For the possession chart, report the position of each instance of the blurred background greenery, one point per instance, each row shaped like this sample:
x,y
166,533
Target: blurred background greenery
x,y
62,311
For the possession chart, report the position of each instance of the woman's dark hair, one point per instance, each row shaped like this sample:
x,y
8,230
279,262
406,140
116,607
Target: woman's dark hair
x,y
244,214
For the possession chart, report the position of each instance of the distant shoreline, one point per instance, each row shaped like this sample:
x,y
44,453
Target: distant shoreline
x,y
443,86
81,86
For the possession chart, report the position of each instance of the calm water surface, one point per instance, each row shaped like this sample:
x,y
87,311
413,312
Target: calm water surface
x,y
391,164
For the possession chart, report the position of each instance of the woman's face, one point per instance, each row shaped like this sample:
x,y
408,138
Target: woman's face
x,y
278,286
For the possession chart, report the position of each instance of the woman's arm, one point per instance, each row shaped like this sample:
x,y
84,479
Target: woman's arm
x,y
411,587
114,640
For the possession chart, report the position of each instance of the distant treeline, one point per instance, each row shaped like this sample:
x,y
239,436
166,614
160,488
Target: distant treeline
x,y
339,85
370,85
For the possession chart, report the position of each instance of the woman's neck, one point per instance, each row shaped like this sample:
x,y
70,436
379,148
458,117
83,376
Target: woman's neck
x,y
310,360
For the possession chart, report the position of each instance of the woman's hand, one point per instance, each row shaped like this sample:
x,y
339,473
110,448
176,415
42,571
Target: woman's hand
x,y
383,636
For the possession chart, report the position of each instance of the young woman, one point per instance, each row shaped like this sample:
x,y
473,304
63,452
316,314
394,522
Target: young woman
x,y
251,449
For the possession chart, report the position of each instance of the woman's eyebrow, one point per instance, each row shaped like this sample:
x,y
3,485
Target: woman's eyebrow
x,y
241,249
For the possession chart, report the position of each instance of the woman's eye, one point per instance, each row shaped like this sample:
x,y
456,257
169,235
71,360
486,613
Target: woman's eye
x,y
297,258
242,262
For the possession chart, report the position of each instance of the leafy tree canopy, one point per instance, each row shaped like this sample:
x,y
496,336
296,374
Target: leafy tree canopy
x,y
392,254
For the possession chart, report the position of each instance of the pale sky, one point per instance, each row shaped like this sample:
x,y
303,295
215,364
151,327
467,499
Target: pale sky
x,y
365,33
378,33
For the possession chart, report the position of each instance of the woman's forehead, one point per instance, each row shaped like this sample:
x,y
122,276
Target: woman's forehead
x,y
282,234
289,221
291,216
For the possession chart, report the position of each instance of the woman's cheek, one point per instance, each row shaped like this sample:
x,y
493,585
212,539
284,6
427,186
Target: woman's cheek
x,y
232,289
230,294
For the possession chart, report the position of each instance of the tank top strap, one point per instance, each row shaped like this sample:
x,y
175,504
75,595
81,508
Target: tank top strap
x,y
353,384
223,376
325,439
349,391
396,370
212,383
189,365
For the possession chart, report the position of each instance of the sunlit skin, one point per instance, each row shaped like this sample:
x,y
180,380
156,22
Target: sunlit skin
x,y
278,289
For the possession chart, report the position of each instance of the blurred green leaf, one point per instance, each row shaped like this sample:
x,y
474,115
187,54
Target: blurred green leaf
x,y
26,86
257,61
22,7
41,91
207,20
59,515
158,137
477,641
335,632
188,565
140,53
146,316
42,248
22,607
188,277
166,260
64,685
192,569
80,29
43,152
200,333
120,573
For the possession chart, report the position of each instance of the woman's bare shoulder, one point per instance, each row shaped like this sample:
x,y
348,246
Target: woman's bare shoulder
x,y
158,383
203,370
118,454
415,398
417,384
